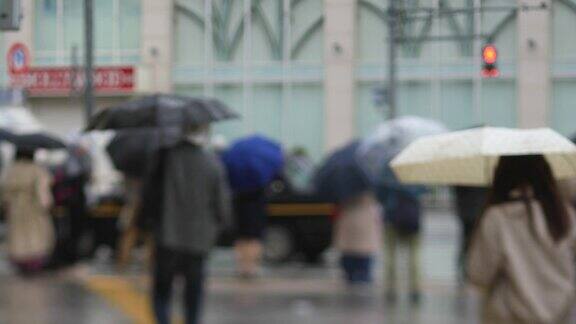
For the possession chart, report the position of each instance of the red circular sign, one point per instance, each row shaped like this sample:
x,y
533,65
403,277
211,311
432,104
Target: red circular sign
x,y
18,58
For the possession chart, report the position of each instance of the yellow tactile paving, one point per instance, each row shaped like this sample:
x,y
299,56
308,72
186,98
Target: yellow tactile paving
x,y
122,294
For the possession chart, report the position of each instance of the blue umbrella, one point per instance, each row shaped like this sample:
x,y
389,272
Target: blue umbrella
x,y
341,175
253,162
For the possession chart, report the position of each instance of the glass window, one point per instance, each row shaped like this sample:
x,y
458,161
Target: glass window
x,y
563,43
499,103
59,26
305,119
130,13
104,26
415,99
307,31
232,95
457,108
267,23
368,114
228,34
46,17
563,112
189,31
73,25
272,97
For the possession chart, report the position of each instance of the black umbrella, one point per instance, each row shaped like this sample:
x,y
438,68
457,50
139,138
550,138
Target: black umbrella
x,y
162,110
7,135
131,150
32,141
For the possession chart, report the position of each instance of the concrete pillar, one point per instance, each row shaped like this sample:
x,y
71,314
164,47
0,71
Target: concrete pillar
x,y
157,37
534,81
339,85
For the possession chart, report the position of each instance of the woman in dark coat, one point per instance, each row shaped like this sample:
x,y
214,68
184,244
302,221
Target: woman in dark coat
x,y
250,212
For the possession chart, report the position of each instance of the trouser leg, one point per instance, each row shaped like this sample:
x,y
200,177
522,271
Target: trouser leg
x,y
366,268
194,290
390,242
414,262
347,268
165,269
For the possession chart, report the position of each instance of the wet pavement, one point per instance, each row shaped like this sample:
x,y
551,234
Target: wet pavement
x,y
287,294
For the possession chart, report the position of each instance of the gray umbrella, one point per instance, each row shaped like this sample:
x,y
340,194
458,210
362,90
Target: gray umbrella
x,y
162,110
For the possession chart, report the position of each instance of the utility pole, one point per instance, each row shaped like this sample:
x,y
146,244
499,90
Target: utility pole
x,y
73,74
88,59
392,59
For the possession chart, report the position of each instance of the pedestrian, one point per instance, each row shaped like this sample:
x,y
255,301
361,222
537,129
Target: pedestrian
x,y
129,232
186,201
70,202
402,227
299,169
522,251
469,202
253,163
357,237
27,198
250,222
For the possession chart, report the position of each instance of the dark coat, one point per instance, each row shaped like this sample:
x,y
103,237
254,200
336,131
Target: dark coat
x,y
186,198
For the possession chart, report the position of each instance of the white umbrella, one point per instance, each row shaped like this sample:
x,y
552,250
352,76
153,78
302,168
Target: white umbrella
x,y
469,157
391,137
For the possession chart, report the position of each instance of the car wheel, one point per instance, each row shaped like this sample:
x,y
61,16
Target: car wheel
x,y
278,244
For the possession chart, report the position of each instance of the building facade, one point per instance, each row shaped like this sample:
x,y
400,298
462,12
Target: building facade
x,y
310,73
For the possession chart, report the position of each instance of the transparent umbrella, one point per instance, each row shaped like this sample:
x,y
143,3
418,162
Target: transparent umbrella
x,y
391,138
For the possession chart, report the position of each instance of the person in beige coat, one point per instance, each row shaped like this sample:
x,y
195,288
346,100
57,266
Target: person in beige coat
x,y
522,254
27,198
357,236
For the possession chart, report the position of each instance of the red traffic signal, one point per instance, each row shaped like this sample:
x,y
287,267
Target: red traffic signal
x,y
489,59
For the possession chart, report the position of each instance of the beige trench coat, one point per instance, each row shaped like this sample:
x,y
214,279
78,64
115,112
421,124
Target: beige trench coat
x,y
26,194
526,277
358,229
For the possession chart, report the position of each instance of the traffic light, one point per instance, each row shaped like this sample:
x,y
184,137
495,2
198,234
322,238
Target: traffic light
x,y
489,60
10,14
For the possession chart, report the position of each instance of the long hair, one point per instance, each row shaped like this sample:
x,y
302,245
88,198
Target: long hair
x,y
531,172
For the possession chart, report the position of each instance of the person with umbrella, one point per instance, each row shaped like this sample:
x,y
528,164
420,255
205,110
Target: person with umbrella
x,y
131,151
522,252
252,163
343,180
525,239
402,210
68,189
188,202
27,199
186,199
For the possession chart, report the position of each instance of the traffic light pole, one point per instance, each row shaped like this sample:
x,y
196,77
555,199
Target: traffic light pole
x,y
392,61
395,39
88,59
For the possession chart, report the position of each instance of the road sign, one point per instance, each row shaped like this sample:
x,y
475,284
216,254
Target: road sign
x,y
18,58
380,96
